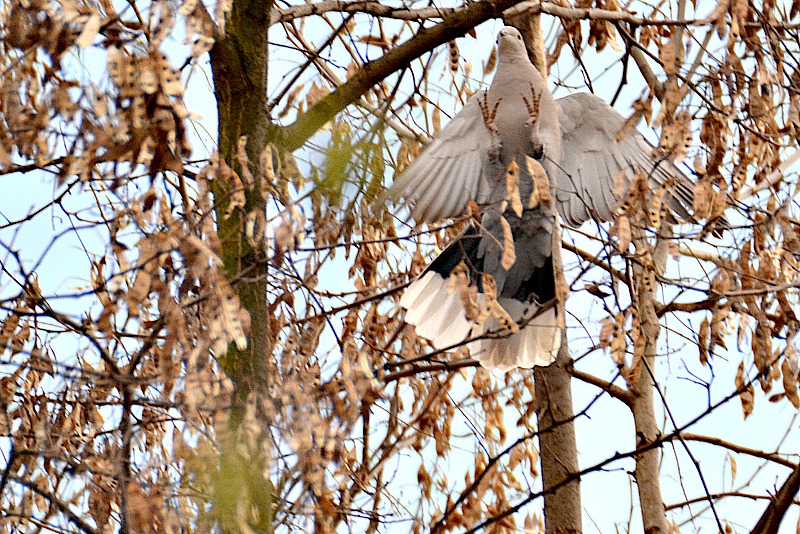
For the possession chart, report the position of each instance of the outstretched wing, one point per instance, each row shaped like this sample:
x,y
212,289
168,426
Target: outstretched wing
x,y
452,169
593,158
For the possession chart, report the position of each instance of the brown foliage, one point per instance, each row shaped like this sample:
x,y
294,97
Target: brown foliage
x,y
125,401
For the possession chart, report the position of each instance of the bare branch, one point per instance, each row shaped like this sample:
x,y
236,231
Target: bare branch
x,y
369,7
739,448
718,496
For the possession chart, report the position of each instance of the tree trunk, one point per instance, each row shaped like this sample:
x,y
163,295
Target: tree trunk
x,y
242,490
647,463
642,386
239,68
558,451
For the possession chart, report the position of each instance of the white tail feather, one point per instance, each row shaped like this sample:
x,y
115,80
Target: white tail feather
x,y
439,316
536,344
436,313
419,308
415,290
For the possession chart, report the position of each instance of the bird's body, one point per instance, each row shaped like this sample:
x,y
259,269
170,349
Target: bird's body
x,y
514,88
515,119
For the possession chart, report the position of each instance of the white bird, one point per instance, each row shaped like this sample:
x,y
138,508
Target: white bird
x,y
575,141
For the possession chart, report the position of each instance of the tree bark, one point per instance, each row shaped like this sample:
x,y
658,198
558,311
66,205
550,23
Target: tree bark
x,y
242,490
558,451
647,463
772,517
642,385
239,68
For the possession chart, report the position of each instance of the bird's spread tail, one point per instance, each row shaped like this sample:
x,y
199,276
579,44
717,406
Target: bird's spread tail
x,y
536,344
438,315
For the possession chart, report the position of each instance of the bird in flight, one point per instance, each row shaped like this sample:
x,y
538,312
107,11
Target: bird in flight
x,y
517,159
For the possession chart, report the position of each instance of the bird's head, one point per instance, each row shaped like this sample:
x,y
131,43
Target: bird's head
x,y
510,44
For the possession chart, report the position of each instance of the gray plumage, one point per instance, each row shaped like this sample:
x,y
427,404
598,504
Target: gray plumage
x,y
584,184
574,139
461,162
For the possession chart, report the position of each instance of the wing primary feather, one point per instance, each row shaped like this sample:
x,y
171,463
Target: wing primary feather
x,y
455,205
428,206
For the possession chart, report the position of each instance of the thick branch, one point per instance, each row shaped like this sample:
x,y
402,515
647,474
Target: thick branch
x,y
643,406
571,13
555,418
621,394
774,177
456,25
239,63
638,55
771,519
688,307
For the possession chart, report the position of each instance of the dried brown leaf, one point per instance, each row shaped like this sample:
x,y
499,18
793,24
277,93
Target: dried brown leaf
x,y
100,505
234,319
702,341
746,393
254,228
459,280
244,162
541,184
732,462
509,255
702,198
453,56
618,343
489,286
633,371
491,62
474,210
721,283
512,188
607,332
316,93
718,319
374,40
622,229
505,320
657,207
237,197
790,383
620,185
762,346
